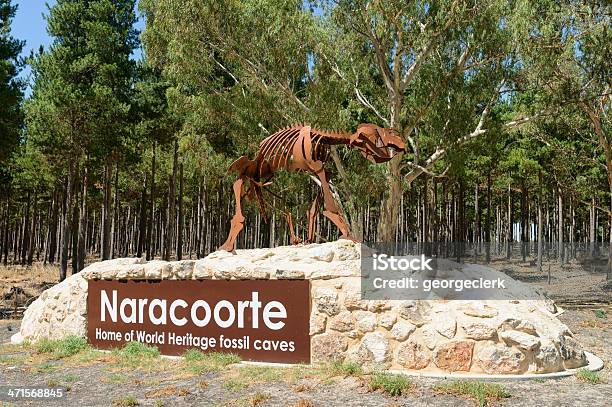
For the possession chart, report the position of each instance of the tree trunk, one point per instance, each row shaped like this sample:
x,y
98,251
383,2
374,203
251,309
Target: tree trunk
x,y
524,217
488,220
66,223
105,229
181,220
560,227
149,240
75,222
53,226
32,242
25,240
142,225
6,231
114,234
387,224
509,229
476,237
540,223
81,249
171,206
609,273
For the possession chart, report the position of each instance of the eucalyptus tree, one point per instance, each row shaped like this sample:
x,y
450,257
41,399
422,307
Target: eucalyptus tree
x,y
436,71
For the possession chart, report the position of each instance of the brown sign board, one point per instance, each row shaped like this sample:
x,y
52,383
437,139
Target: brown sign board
x,y
259,320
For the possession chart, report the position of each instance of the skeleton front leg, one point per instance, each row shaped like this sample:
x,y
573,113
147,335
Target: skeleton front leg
x,y
237,223
313,212
293,236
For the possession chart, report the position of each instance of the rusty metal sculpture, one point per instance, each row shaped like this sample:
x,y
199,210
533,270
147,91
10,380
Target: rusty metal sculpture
x,y
300,148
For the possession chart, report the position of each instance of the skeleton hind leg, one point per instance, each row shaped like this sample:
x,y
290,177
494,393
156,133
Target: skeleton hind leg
x,y
332,212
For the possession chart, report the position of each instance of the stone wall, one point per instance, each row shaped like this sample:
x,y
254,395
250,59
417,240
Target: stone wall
x,y
494,337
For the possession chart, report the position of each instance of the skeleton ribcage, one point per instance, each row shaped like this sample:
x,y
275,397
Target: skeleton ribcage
x,y
278,148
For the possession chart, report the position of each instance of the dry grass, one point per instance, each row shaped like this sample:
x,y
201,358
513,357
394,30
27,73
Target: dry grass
x,y
482,393
28,277
302,402
33,280
167,392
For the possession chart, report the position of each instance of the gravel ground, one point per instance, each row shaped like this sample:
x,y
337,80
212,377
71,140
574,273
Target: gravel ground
x,y
99,381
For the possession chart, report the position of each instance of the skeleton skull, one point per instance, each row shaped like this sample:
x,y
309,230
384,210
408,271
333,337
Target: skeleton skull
x,y
377,144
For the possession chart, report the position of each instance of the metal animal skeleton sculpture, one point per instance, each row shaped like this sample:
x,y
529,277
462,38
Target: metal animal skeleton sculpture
x,y
300,148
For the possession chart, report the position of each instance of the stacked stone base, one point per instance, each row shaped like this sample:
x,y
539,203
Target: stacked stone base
x,y
490,337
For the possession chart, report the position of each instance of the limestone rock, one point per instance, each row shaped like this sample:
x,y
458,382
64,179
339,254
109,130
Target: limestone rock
x,y
183,269
402,330
289,274
326,300
479,310
516,331
518,325
59,312
430,336
454,355
387,320
521,339
317,323
342,322
321,253
414,311
328,347
225,272
108,269
445,324
353,334
132,271
496,358
413,355
352,299
548,359
155,269
572,353
374,349
378,305
202,270
347,250
365,321
478,330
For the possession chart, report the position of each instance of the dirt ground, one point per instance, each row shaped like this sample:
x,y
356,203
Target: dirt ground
x,y
99,379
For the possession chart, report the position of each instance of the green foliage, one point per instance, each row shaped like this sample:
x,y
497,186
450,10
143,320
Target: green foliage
x,y
482,392
136,355
11,92
81,97
137,349
199,362
346,369
599,313
391,384
63,348
126,401
589,376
